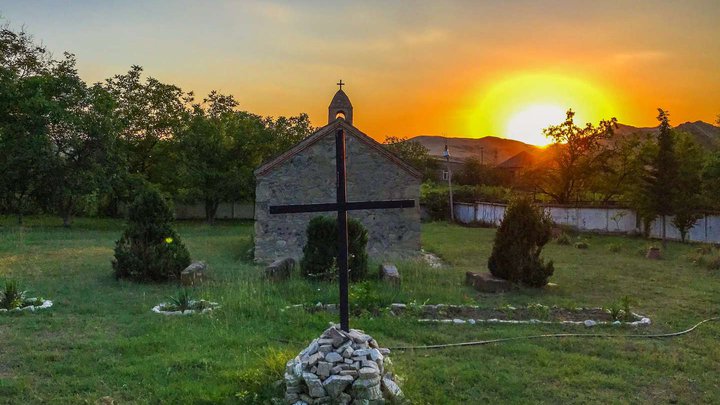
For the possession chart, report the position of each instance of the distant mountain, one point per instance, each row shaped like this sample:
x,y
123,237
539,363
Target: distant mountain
x,y
706,135
492,150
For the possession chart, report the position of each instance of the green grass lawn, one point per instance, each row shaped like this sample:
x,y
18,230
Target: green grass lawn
x,y
101,339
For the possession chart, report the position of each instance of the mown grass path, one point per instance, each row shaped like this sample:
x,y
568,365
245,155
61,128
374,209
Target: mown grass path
x,y
100,339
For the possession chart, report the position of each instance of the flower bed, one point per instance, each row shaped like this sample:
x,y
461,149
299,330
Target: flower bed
x,y
530,314
193,307
30,304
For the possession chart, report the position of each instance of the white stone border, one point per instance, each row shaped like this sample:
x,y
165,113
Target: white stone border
x,y
158,309
644,321
46,304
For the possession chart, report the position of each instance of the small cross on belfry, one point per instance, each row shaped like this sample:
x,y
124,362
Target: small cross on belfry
x,y
340,83
342,206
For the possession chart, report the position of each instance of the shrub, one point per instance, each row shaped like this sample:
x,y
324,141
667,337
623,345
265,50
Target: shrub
x,y
518,243
563,239
706,256
149,249
320,253
12,296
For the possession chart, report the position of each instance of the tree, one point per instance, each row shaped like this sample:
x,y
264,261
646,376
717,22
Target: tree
x,y
285,132
81,129
661,178
150,249
614,176
150,113
415,154
519,240
711,181
687,200
577,153
474,173
218,152
24,148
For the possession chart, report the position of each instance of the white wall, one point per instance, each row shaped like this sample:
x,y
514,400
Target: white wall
x,y
596,219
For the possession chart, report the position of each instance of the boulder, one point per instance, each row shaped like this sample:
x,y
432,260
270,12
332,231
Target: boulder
x,y
486,282
193,274
653,253
389,274
280,269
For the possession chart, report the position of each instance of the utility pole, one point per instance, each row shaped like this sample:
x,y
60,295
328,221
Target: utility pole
x,y
446,154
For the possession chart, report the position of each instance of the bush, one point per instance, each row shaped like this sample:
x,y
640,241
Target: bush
x,y
149,249
320,252
563,239
518,243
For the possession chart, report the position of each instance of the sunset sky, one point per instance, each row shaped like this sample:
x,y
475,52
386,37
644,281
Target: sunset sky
x,y
465,68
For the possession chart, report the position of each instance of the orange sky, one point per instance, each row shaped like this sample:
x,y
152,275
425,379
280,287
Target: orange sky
x,y
460,68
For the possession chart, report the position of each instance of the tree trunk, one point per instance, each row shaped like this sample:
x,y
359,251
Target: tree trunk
x,y
664,242
210,211
67,220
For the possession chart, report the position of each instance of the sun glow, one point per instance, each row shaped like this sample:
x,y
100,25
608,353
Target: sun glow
x,y
521,106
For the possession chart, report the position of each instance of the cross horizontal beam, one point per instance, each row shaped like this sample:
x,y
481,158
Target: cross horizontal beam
x,y
348,206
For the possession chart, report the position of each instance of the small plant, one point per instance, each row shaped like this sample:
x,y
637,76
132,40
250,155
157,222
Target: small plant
x,y
364,298
706,256
181,302
582,245
625,302
615,311
12,296
614,247
538,311
563,239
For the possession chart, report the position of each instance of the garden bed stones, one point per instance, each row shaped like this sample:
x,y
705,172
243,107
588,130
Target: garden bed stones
x,y
31,307
196,307
341,368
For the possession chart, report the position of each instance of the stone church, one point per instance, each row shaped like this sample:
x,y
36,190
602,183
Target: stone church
x,y
305,174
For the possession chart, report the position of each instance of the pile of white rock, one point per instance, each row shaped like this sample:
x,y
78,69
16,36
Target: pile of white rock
x,y
341,368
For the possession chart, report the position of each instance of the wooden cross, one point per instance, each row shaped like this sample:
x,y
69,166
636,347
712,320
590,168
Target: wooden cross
x,y
342,206
340,83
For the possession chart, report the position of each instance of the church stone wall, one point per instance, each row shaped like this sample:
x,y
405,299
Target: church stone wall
x,y
309,177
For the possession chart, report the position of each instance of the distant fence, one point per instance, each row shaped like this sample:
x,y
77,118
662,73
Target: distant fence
x,y
237,210
596,219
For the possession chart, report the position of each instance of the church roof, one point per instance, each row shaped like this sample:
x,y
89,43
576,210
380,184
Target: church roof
x,y
330,130
340,100
519,161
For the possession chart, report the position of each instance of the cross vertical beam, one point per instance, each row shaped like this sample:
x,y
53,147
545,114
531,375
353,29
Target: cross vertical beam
x,y
342,229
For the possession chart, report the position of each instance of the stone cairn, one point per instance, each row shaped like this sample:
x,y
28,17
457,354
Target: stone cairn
x,y
346,368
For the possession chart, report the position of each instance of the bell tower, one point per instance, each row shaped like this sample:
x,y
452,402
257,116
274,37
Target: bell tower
x,y
340,106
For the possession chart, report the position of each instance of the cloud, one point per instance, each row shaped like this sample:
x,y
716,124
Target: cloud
x,y
638,57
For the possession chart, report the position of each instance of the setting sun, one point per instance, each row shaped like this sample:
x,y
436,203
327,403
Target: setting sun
x,y
522,105
527,124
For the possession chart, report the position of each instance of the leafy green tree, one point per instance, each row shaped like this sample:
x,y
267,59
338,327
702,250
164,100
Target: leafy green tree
x,y
415,154
285,132
711,181
577,153
474,173
218,152
615,174
25,151
150,113
81,129
687,198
